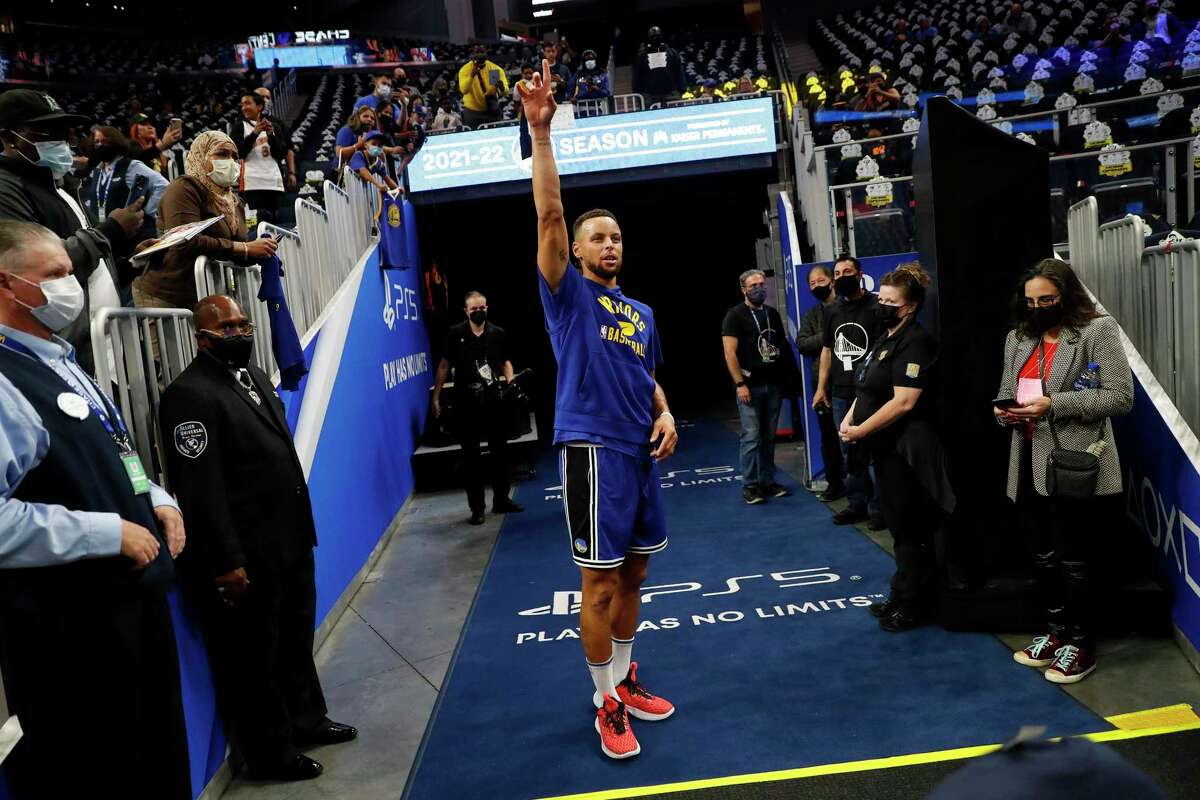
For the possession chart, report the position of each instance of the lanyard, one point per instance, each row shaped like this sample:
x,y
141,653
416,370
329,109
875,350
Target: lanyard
x,y
101,183
754,316
106,414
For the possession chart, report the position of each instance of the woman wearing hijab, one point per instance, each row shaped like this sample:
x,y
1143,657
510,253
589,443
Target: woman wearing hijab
x,y
203,192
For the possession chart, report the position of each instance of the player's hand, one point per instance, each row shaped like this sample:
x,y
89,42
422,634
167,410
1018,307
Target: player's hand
x,y
664,433
743,394
538,102
819,399
437,406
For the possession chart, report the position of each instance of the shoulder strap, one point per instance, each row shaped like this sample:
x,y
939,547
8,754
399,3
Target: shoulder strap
x,y
1049,419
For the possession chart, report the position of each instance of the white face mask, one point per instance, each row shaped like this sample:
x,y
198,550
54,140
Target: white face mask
x,y
225,172
590,64
64,301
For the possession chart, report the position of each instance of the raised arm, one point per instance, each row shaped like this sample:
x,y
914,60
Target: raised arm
x,y
538,105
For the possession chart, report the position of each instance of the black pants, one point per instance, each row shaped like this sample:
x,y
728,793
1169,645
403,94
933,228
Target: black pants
x,y
265,203
1059,534
483,422
262,656
95,683
477,118
831,449
913,519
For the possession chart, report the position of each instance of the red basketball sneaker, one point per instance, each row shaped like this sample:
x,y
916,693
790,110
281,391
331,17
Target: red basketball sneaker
x,y
640,702
616,737
1041,652
1072,665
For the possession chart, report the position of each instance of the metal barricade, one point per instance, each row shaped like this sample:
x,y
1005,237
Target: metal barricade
x,y
283,96
365,201
341,239
291,256
1083,223
242,284
695,101
1187,323
597,107
625,103
504,123
312,223
1120,247
134,378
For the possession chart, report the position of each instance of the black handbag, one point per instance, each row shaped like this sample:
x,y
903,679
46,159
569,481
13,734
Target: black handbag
x,y
1070,474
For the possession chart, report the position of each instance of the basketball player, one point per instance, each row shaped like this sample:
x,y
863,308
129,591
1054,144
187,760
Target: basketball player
x,y
612,423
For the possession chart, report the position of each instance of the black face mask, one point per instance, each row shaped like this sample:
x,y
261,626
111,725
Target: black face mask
x,y
232,351
822,292
847,285
478,317
888,315
106,152
1046,319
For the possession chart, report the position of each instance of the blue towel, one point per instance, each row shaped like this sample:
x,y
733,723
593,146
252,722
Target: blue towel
x,y
285,343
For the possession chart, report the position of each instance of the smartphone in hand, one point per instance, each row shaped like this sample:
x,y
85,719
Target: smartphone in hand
x,y
1006,403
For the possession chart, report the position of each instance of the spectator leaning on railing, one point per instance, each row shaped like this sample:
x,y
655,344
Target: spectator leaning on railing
x,y
370,164
482,84
352,136
205,191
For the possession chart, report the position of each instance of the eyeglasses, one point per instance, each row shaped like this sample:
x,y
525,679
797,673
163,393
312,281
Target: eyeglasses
x,y
1045,301
231,329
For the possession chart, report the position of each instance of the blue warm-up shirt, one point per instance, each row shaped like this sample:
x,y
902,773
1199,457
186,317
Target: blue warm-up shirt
x,y
606,345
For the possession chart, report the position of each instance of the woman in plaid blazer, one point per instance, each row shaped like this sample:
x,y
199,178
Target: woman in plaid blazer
x,y
1065,365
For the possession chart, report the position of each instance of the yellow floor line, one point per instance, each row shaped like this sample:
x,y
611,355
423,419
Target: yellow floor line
x,y
869,764
1180,714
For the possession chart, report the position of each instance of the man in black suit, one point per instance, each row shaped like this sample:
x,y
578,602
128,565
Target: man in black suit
x,y
250,567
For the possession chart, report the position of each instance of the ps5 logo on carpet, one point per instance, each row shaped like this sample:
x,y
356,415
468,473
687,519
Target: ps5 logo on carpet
x,y
703,476
565,603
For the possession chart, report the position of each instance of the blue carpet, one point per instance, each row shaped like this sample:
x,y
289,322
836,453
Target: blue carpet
x,y
790,672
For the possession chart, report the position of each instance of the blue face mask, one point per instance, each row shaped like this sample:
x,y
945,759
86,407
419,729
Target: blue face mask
x,y
55,156
374,150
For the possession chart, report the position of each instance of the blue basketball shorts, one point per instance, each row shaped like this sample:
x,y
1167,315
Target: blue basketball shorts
x,y
613,505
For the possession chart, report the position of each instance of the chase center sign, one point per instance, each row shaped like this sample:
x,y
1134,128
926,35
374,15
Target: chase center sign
x,y
595,144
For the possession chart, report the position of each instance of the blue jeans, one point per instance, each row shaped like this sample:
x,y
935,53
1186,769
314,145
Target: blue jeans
x,y
860,486
757,449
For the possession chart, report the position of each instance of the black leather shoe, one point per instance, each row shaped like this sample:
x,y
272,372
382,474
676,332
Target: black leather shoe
x,y
884,609
328,733
877,523
849,516
833,493
476,518
902,619
507,507
299,768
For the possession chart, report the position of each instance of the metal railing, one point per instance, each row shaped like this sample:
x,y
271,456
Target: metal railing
x,y
136,376
626,103
1153,292
242,283
141,350
283,96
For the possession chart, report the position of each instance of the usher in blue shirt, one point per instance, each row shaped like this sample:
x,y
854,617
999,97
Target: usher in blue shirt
x,y
606,345
37,534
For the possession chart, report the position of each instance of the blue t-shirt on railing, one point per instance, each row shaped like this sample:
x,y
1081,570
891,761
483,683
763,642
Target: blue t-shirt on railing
x,y
606,345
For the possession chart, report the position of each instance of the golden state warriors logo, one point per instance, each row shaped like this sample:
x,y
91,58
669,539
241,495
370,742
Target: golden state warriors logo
x,y
394,216
629,323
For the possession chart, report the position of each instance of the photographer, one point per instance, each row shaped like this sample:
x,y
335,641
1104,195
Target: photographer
x,y
478,352
482,84
591,82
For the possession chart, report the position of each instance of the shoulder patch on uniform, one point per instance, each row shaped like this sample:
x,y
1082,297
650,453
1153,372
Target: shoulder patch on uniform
x,y
191,439
912,370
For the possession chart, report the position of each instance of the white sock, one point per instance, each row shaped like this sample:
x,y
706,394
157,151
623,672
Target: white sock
x,y
622,650
602,678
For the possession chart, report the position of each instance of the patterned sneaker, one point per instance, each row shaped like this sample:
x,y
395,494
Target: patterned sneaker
x,y
753,495
1041,652
775,490
1073,665
616,737
641,703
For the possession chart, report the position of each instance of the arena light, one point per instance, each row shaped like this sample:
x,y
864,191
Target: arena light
x,y
548,2
546,13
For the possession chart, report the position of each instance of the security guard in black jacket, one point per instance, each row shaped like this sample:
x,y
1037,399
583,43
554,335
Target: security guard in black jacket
x,y
249,569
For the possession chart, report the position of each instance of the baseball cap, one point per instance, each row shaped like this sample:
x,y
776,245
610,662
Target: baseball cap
x,y
25,106
373,135
138,119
